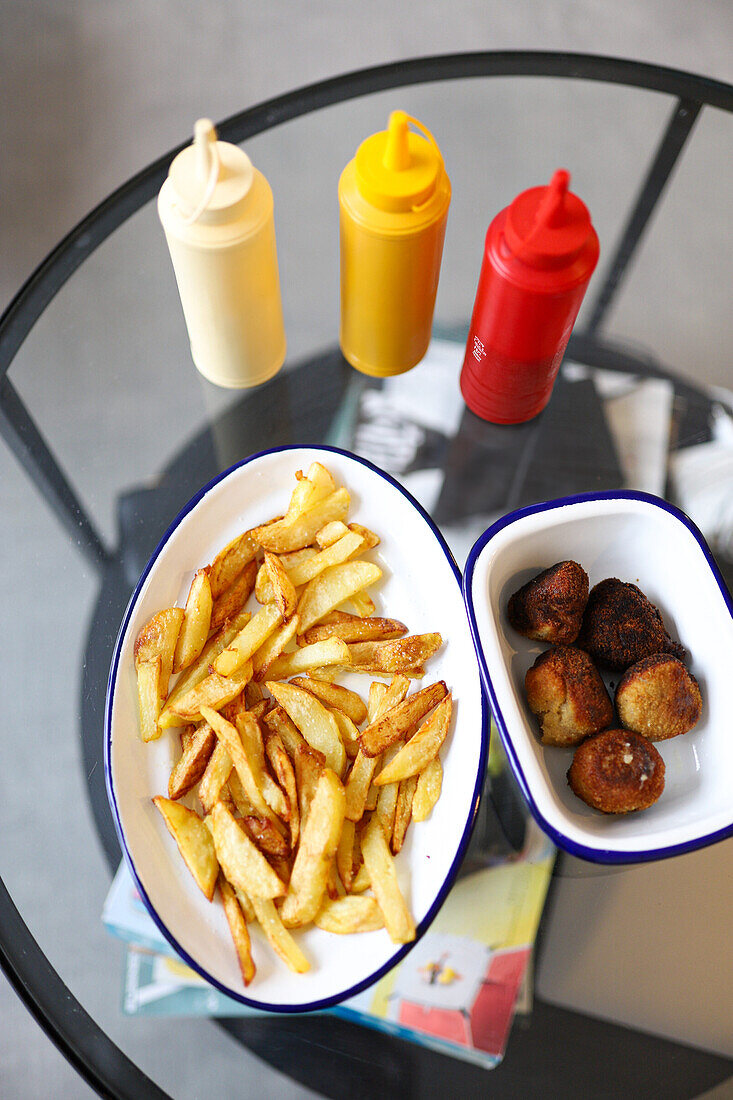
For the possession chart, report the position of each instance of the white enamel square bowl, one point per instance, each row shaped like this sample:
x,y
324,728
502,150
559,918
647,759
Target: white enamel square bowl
x,y
420,586
637,538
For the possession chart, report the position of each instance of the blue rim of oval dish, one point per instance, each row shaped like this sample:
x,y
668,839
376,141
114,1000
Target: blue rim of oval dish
x,y
575,848
326,1002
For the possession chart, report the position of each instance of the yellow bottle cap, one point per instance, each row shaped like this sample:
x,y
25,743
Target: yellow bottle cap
x,y
397,169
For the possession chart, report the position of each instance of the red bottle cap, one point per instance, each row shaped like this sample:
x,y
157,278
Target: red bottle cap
x,y
548,226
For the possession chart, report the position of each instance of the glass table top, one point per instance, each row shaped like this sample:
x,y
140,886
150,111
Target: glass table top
x,y
115,430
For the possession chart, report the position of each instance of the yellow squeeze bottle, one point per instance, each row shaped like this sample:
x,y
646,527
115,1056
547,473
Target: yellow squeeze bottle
x,y
218,215
393,199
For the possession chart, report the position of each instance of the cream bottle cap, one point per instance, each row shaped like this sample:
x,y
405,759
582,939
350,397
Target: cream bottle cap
x,y
210,179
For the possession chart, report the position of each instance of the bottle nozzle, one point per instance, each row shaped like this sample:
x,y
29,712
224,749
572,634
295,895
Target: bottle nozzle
x,y
397,152
204,142
550,210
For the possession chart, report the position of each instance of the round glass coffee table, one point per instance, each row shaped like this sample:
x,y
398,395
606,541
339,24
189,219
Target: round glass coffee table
x,y
113,431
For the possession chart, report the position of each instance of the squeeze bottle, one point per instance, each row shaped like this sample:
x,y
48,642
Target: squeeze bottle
x,y
393,199
217,213
539,256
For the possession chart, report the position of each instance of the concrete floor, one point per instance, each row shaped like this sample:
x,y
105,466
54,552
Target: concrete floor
x,y
93,90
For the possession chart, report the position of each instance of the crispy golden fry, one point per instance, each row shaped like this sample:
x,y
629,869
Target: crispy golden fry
x,y
372,795
158,639
315,486
348,915
200,669
316,850
335,696
192,762
193,840
334,886
148,697
345,853
348,732
383,877
329,589
341,551
401,720
332,651
252,694
395,656
351,628
185,735
233,598
230,562
230,738
216,774
361,881
263,587
297,557
370,539
239,796
251,738
427,792
317,725
196,622
422,746
238,928
266,836
249,640
278,721
363,604
212,693
403,811
271,649
283,587
286,535
280,939
386,807
309,765
245,904
381,701
331,533
240,859
283,768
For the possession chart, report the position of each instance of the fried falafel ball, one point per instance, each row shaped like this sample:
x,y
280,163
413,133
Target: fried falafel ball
x,y
620,626
658,698
549,608
617,772
565,691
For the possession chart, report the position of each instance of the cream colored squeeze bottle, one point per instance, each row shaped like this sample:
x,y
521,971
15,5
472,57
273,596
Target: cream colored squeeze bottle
x,y
393,199
217,211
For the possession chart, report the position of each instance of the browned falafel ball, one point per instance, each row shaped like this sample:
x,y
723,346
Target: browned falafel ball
x,y
566,692
658,698
620,626
617,772
549,608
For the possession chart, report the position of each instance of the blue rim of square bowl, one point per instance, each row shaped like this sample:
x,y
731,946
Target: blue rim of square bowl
x,y
575,848
326,1002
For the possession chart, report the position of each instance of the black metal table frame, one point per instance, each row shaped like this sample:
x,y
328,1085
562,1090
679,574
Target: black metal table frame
x,y
97,1059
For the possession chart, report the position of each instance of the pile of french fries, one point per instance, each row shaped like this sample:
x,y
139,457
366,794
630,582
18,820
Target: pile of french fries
x,y
305,790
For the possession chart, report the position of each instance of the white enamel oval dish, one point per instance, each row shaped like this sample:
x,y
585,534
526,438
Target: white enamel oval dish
x,y
636,538
420,586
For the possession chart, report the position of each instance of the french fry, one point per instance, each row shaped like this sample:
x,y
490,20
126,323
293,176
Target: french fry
x,y
370,539
331,533
238,928
148,697
230,738
279,722
286,535
329,589
267,838
401,720
200,669
230,562
348,915
316,724
361,881
363,604
421,748
251,738
381,701
334,886
316,850
192,762
403,811
158,639
249,640
245,904
427,792
352,628
345,853
386,807
383,878
332,651
283,768
241,861
193,840
401,655
335,696
239,796
278,936
340,551
216,774
347,731
212,693
273,646
233,598
316,485
297,557
283,587
196,622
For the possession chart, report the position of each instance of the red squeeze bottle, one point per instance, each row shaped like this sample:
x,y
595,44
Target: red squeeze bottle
x,y
540,254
